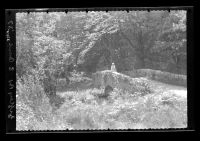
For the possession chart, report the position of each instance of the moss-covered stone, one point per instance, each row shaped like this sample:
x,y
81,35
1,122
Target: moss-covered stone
x,y
120,81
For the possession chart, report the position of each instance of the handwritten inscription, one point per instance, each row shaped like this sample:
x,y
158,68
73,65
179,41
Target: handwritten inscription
x,y
8,32
11,59
11,68
10,84
11,106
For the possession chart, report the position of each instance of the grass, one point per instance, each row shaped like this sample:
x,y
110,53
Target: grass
x,y
123,110
84,109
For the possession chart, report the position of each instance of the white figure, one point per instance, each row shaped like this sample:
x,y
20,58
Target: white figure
x,y
113,67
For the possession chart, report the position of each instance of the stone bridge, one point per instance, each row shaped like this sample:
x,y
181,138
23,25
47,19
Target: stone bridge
x,y
113,79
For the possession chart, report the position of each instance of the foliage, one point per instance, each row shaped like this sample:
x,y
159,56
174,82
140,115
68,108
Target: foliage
x,y
172,40
84,110
31,100
120,37
34,111
30,91
57,49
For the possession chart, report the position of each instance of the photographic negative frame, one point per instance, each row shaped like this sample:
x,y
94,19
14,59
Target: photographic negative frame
x,y
10,52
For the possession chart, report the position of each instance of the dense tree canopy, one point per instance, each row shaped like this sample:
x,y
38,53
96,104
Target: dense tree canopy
x,y
92,41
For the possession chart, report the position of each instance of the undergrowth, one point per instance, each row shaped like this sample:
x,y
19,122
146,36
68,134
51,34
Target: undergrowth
x,y
33,108
84,109
123,110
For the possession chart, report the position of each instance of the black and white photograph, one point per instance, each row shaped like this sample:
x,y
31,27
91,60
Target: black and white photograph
x,y
100,70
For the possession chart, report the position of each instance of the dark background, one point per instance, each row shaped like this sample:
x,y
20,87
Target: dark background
x,y
192,52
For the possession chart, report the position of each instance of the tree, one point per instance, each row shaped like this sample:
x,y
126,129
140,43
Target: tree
x,y
24,43
172,40
46,51
101,39
56,42
140,30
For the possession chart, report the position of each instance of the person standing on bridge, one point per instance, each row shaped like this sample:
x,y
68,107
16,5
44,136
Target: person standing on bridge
x,y
113,68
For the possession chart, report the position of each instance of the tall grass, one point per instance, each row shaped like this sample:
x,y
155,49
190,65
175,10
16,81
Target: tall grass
x,y
85,109
123,110
33,109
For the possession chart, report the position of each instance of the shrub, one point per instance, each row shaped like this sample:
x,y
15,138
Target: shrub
x,y
123,110
81,116
79,81
158,114
25,116
165,117
30,91
144,89
32,99
61,83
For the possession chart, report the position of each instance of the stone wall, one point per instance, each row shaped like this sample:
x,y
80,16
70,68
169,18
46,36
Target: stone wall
x,y
158,75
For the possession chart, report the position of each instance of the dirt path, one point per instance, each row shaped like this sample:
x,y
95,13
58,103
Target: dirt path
x,y
163,87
